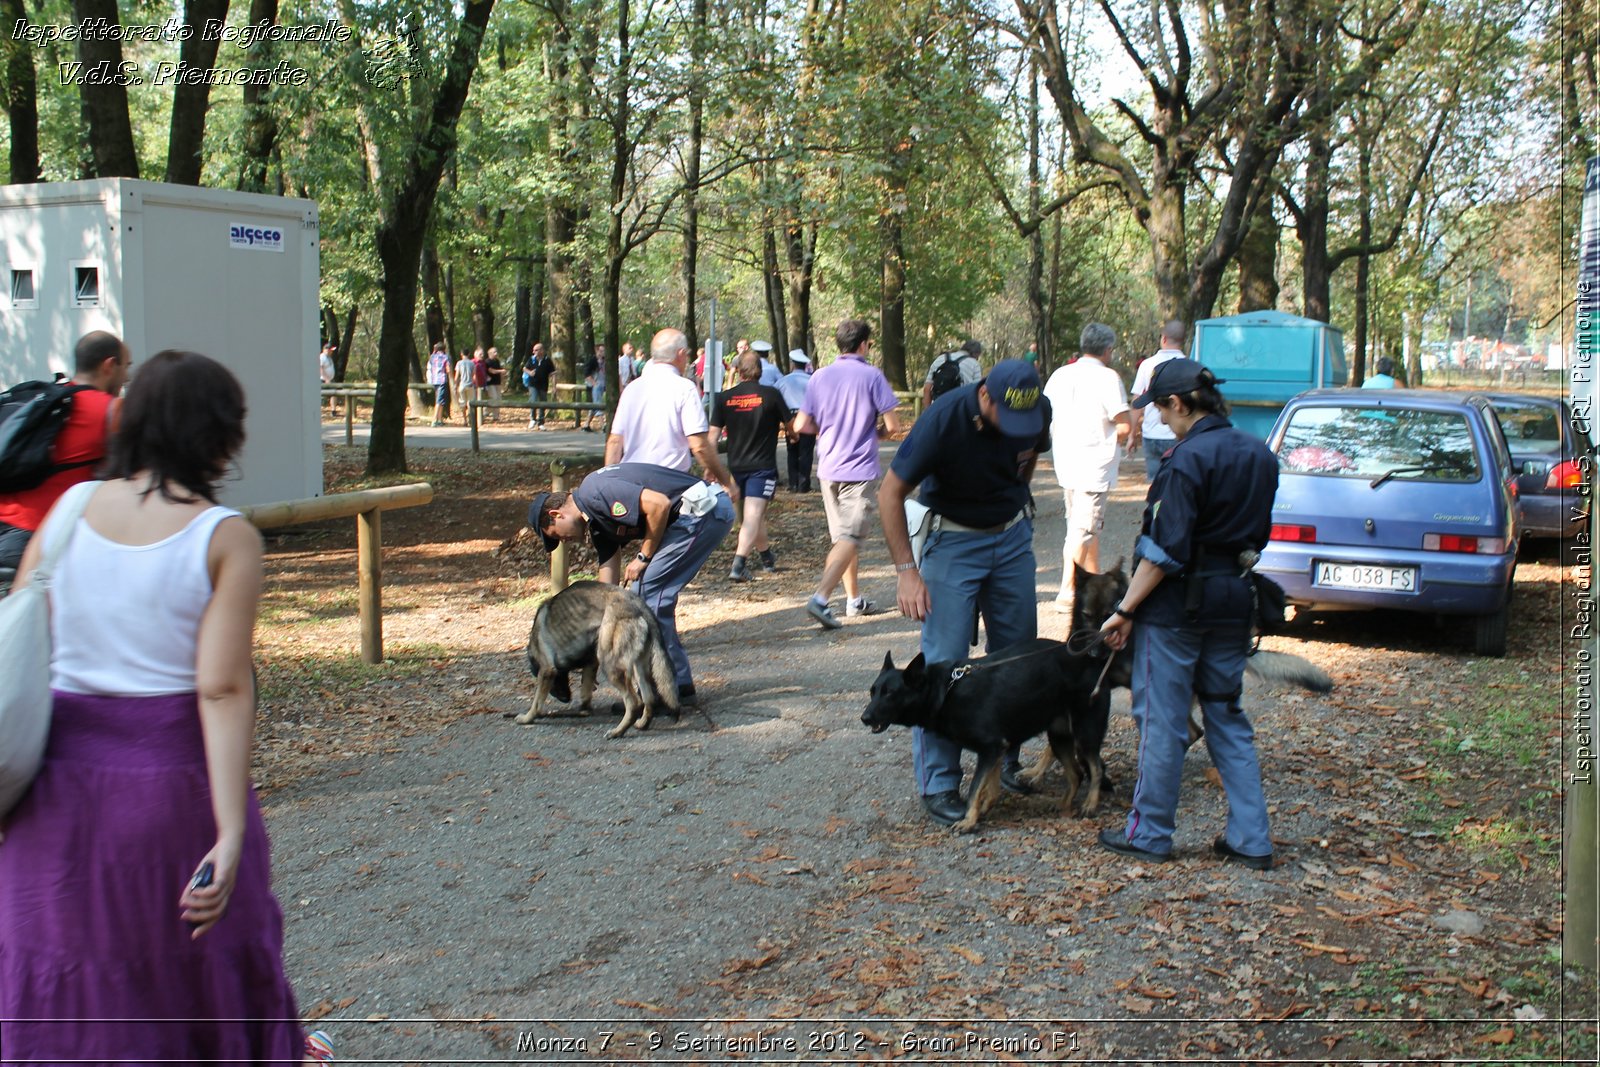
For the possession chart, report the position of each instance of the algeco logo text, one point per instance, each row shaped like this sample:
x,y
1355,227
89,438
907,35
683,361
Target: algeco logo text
x,y
255,238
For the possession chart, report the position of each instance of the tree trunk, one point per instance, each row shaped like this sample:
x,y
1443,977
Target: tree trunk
x,y
1316,269
22,99
105,106
536,289
802,247
892,339
400,239
433,321
483,320
1170,254
1258,262
519,335
616,249
1358,365
1038,322
330,324
187,134
691,180
561,216
260,126
772,273
341,360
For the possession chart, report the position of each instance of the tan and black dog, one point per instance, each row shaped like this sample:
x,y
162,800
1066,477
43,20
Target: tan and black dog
x,y
597,627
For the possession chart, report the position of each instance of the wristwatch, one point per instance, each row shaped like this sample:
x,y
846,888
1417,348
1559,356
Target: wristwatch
x,y
642,558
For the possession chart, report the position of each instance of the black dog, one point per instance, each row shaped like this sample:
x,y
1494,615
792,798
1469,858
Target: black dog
x,y
989,704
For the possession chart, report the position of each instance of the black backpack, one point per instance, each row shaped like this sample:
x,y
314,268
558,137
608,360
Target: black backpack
x,y
31,415
948,374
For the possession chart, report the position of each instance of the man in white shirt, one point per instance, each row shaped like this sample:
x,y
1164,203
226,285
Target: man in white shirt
x,y
1089,425
1155,435
660,419
625,366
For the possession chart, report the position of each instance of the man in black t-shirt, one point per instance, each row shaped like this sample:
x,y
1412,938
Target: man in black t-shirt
x,y
677,518
751,414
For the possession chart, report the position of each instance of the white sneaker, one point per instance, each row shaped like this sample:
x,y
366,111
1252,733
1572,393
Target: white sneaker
x,y
860,606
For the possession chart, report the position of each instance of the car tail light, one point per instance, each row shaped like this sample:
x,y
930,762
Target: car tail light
x,y
1485,546
1564,476
1290,532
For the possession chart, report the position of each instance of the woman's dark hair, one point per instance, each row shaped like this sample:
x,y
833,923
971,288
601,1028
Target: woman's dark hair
x,y
182,424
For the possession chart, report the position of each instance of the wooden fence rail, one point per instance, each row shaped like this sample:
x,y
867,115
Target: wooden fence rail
x,y
577,409
367,505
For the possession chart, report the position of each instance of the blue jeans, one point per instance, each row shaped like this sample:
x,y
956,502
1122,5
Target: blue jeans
x,y
441,400
968,573
1154,449
1170,666
690,539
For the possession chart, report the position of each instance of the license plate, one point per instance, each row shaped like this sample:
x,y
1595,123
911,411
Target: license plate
x,y
1366,576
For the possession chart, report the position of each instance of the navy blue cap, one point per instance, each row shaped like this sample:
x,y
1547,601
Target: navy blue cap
x,y
536,519
1013,385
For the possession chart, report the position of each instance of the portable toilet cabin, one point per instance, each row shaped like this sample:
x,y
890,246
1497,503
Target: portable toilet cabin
x,y
1268,357
231,275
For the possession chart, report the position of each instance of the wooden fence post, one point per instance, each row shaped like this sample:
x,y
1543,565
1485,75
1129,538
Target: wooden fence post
x,y
369,566
558,558
472,420
349,420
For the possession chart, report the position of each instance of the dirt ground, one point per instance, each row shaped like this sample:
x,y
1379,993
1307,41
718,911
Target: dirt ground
x,y
758,881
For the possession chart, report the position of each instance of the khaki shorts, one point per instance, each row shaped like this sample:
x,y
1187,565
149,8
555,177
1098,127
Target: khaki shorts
x,y
849,506
1086,516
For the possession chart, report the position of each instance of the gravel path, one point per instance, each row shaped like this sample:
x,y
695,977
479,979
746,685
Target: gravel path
x,y
492,893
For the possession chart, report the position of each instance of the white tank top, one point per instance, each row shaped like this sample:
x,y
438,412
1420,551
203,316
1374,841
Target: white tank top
x,y
125,619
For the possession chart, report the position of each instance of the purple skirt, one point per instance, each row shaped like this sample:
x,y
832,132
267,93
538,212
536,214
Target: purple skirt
x,y
95,962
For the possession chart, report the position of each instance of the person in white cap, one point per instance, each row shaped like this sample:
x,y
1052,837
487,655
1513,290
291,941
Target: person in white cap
x,y
801,447
769,370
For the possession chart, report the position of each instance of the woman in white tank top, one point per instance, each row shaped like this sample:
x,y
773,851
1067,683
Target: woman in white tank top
x,y
145,784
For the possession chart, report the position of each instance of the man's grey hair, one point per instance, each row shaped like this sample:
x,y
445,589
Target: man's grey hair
x,y
1174,331
664,345
1097,339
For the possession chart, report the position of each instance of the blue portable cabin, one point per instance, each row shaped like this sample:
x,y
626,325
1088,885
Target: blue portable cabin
x,y
1268,357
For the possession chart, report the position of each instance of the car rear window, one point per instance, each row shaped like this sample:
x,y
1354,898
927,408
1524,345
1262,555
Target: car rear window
x,y
1365,442
1529,427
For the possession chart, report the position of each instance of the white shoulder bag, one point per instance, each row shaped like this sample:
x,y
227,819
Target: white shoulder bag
x,y
25,656
919,522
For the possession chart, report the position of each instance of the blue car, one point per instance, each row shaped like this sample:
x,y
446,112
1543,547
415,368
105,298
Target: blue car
x,y
1395,498
1551,458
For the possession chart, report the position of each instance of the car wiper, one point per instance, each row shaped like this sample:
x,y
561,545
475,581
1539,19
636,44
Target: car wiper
x,y
1386,475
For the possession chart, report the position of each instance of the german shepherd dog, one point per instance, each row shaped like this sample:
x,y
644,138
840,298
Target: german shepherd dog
x,y
598,627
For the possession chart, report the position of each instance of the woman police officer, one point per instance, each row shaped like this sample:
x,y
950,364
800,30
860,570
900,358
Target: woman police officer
x,y
1190,594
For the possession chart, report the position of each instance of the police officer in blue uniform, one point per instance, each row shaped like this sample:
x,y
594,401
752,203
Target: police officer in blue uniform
x,y
1189,609
678,519
973,452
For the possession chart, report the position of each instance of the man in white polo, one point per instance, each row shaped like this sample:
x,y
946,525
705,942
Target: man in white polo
x,y
1150,433
1089,425
660,419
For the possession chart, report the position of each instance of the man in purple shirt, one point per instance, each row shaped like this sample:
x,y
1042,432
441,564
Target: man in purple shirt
x,y
842,405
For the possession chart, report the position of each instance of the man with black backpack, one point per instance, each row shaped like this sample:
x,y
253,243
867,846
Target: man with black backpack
x,y
52,436
952,369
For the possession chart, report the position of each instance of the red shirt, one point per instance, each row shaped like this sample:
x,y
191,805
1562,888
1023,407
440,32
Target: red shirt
x,y
83,437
